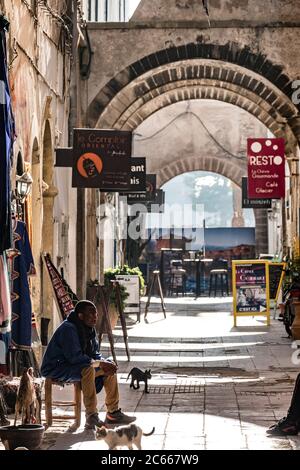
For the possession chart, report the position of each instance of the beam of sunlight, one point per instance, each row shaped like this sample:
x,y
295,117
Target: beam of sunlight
x,y
178,347
181,359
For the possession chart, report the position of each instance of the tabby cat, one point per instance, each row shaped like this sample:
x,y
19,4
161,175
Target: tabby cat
x,y
137,375
122,436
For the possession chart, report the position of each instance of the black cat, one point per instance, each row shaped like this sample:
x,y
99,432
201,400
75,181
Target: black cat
x,y
139,376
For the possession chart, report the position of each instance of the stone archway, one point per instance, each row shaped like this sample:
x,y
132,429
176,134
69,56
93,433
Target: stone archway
x,y
227,73
233,173
197,70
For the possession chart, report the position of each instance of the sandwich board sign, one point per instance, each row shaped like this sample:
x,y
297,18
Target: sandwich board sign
x,y
132,285
250,288
276,275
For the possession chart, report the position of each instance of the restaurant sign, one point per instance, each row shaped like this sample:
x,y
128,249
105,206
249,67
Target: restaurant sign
x,y
101,159
266,168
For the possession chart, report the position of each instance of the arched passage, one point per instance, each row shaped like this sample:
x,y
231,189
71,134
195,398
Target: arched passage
x,y
226,73
233,173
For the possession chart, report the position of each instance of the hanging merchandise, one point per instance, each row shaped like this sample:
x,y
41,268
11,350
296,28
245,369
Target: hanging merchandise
x,y
5,301
5,315
6,139
22,267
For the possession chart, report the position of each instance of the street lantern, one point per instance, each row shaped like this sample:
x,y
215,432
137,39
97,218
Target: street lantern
x,y
24,184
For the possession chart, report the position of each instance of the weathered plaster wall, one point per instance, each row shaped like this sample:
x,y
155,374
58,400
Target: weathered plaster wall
x,y
39,76
116,49
219,10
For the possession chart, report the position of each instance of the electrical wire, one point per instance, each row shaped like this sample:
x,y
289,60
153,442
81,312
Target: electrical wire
x,y
202,124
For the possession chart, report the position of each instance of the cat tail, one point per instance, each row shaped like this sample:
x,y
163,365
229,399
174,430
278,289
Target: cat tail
x,y
149,433
128,376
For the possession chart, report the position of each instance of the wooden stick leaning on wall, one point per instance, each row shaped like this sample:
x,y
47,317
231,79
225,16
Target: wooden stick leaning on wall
x,y
105,324
104,302
116,285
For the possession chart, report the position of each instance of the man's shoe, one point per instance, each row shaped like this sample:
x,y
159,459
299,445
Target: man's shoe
x,y
117,418
93,421
283,428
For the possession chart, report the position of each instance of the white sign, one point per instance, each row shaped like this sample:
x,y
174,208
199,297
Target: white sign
x,y
132,285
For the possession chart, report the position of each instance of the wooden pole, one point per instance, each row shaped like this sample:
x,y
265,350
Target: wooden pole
x,y
105,306
122,317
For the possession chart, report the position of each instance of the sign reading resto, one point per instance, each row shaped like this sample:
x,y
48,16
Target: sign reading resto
x,y
266,168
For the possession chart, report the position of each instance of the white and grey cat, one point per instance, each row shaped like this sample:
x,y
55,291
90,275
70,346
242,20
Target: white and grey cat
x,y
122,436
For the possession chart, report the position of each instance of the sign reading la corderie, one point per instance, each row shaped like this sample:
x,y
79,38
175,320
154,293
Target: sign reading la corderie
x,y
266,168
101,159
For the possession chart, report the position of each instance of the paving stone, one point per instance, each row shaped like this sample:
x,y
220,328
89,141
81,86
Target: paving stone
x,y
244,376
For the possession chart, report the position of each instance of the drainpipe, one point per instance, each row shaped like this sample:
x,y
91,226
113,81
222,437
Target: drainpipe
x,y
75,121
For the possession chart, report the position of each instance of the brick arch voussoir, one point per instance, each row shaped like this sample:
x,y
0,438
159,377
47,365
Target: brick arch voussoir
x,y
233,170
166,96
230,52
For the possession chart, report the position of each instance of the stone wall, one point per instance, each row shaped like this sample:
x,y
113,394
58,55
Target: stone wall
x,y
39,46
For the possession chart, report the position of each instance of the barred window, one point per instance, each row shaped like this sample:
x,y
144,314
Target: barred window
x,y
107,10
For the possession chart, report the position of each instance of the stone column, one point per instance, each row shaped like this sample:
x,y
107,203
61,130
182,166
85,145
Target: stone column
x,y
238,218
47,246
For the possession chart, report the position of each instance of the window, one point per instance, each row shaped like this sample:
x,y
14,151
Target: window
x,y
109,10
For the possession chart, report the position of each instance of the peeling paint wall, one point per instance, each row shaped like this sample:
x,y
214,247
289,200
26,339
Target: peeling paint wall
x,y
39,58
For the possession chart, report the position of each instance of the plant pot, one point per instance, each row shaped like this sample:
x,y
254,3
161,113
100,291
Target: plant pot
x,y
113,316
26,435
296,323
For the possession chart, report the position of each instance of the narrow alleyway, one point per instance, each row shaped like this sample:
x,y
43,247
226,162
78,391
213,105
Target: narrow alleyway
x,y
212,387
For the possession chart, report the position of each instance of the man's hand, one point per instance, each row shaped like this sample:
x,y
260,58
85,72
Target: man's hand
x,y
108,367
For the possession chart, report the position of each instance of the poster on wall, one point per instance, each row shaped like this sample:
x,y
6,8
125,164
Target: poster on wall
x,y
250,283
266,168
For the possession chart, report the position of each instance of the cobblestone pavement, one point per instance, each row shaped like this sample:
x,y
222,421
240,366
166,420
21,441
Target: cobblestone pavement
x,y
213,386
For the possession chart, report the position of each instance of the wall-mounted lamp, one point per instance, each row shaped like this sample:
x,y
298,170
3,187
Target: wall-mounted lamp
x,y
23,188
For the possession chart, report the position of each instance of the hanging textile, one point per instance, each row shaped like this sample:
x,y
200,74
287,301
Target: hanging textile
x,y
6,139
64,297
22,267
5,301
5,315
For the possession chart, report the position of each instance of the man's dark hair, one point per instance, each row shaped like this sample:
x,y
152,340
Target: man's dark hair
x,y
82,305
86,334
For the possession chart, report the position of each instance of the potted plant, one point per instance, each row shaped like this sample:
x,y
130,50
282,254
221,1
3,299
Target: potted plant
x,y
110,275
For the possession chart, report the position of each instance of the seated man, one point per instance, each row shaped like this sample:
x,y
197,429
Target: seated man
x,y
73,355
290,425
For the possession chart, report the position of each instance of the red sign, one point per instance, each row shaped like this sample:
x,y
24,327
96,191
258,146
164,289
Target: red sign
x,y
266,168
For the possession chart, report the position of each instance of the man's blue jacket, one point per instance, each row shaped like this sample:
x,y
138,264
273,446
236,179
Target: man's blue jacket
x,y
64,360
